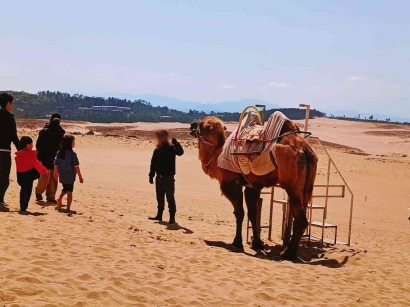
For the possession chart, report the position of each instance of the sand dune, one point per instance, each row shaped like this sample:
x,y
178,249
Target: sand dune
x,y
109,254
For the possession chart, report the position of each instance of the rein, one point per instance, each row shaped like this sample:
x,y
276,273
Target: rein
x,y
201,141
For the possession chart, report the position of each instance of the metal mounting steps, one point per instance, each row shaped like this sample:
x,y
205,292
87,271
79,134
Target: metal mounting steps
x,y
323,225
314,207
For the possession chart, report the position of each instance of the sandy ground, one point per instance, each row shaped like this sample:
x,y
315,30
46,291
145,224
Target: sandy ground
x,y
109,254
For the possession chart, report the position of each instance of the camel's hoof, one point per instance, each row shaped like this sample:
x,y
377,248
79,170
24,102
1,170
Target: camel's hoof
x,y
237,244
285,254
257,244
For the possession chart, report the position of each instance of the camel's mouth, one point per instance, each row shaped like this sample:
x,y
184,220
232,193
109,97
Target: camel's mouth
x,y
193,130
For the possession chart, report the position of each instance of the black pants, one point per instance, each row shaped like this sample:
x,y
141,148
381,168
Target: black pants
x,y
25,181
5,167
165,186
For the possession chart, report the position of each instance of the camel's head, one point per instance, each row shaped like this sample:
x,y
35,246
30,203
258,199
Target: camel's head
x,y
211,129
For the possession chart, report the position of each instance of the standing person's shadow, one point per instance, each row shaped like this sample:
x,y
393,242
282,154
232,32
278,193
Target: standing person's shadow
x,y
4,209
176,226
44,204
30,213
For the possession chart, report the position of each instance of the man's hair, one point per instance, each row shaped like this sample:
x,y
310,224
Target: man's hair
x,y
55,123
55,115
24,141
5,98
161,133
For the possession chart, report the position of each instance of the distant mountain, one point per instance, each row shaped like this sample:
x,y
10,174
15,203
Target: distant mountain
x,y
239,105
185,105
121,110
363,115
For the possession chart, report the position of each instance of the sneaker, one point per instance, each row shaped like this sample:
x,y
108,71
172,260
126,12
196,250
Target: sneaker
x,y
39,197
158,217
53,201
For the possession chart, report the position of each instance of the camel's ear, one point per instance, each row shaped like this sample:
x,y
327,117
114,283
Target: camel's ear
x,y
209,128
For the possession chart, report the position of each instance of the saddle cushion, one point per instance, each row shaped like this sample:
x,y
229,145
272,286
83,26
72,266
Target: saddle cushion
x,y
250,139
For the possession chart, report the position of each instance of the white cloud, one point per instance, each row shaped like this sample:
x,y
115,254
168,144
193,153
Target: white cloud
x,y
277,85
227,87
393,86
356,79
280,84
162,75
373,84
315,88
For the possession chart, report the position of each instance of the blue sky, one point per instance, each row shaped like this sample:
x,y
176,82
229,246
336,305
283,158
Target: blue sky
x,y
331,54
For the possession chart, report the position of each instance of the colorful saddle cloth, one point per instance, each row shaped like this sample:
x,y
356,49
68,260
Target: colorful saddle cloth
x,y
251,138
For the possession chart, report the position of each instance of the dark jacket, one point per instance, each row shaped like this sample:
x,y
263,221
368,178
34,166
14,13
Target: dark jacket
x,y
163,159
48,144
8,130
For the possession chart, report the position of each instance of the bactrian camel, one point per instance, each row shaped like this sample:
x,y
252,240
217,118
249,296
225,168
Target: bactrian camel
x,y
295,172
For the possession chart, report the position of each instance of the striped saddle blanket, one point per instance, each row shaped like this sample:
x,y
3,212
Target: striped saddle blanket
x,y
252,137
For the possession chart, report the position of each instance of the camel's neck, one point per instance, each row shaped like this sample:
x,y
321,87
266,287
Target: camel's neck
x,y
208,155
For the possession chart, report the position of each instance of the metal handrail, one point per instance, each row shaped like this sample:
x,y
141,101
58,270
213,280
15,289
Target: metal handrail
x,y
327,190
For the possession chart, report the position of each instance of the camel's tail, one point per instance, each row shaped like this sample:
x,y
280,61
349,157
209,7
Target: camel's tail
x,y
311,160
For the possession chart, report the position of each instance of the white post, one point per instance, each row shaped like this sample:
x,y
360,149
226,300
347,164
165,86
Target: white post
x,y
307,106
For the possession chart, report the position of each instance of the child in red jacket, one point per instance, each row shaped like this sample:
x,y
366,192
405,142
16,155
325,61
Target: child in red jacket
x,y
28,170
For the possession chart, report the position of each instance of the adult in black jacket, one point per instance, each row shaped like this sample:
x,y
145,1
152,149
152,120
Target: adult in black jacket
x,y
48,144
8,135
163,166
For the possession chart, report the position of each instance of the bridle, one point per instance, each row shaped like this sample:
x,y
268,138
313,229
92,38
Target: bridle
x,y
202,141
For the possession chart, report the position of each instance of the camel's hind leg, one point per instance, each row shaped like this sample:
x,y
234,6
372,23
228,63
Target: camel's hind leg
x,y
251,197
300,224
292,167
233,192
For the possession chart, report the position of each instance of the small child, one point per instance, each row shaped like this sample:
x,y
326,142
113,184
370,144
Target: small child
x,y
66,166
28,170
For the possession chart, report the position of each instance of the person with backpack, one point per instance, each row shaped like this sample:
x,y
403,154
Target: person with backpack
x,y
48,144
8,135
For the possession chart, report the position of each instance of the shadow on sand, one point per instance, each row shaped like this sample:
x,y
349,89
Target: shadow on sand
x,y
7,209
314,254
44,204
4,209
176,226
30,213
69,212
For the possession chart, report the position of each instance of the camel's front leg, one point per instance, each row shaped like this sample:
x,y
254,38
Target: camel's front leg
x,y
233,192
251,197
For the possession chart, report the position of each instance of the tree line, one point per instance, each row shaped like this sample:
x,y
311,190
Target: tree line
x,y
44,103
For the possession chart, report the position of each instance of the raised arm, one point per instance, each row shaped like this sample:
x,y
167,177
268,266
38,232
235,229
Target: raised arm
x,y
179,151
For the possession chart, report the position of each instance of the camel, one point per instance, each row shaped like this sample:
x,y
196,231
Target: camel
x,y
295,172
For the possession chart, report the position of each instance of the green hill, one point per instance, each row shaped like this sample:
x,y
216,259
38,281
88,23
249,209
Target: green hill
x,y
86,108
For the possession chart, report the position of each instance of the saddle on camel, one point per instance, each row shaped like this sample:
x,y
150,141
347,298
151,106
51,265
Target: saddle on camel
x,y
254,157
